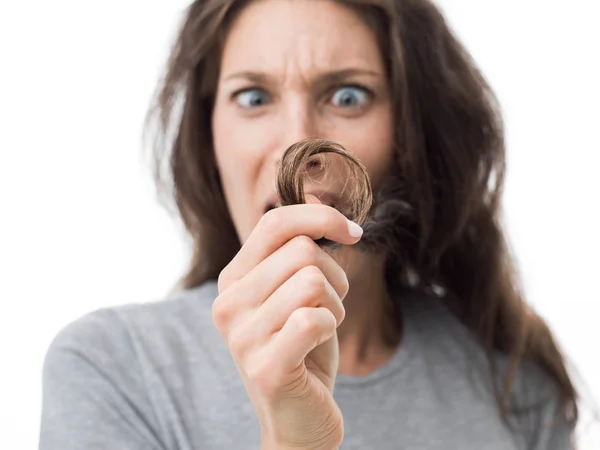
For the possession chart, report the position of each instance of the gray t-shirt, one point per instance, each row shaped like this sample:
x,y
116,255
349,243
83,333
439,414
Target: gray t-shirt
x,y
159,376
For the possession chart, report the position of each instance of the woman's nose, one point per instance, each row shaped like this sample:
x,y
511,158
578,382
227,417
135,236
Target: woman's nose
x,y
299,123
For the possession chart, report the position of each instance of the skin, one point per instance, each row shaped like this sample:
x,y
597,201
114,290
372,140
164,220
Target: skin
x,y
280,299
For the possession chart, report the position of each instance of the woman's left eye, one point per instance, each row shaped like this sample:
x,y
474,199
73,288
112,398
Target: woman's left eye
x,y
350,97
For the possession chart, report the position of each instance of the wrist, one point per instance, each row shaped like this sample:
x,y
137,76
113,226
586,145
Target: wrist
x,y
269,444
272,446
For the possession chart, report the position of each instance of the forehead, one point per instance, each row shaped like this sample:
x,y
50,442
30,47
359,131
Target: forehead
x,y
282,35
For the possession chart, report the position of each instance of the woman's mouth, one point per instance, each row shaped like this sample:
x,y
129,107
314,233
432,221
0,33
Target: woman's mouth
x,y
326,198
272,206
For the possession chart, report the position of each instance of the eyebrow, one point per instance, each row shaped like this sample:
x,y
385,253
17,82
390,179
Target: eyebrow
x,y
331,77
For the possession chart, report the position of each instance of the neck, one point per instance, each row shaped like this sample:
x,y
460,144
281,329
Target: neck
x,y
362,337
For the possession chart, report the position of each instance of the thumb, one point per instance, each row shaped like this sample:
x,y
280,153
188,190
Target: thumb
x,y
311,200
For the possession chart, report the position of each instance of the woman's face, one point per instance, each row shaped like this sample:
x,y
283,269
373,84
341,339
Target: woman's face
x,y
293,69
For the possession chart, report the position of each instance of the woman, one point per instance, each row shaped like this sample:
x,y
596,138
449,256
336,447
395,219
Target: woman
x,y
428,345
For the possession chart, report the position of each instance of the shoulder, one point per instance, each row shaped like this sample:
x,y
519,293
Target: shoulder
x,y
102,372
537,407
120,335
536,411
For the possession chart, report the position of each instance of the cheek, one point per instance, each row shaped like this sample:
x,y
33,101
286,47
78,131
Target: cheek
x,y
377,158
373,145
237,143
239,149
223,143
381,154
235,159
234,165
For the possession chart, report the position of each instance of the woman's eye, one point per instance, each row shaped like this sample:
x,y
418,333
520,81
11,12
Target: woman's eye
x,y
350,97
252,98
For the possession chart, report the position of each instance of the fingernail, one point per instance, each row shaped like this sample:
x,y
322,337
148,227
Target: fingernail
x,y
354,229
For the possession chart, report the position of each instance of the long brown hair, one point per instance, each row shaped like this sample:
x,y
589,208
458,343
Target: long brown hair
x,y
450,157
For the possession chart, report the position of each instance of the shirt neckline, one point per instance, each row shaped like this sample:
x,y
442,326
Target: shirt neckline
x,y
400,358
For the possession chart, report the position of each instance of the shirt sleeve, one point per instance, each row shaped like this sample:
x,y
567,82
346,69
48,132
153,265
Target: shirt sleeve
x,y
94,395
542,419
552,431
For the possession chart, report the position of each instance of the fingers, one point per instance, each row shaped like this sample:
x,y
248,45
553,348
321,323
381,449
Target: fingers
x,y
299,257
280,225
305,329
308,288
312,199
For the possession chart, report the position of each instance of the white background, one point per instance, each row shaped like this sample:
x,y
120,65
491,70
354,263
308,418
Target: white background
x,y
80,228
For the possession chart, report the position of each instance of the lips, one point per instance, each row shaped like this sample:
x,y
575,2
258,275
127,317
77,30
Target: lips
x,y
326,198
272,206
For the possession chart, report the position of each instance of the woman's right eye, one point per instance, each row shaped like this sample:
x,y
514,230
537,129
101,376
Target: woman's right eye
x,y
251,98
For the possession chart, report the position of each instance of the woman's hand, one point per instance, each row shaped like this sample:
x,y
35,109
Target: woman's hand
x,y
279,304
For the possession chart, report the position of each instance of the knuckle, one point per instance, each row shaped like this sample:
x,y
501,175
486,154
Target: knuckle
x,y
306,322
306,249
313,281
220,312
272,222
340,316
224,280
329,220
237,343
344,286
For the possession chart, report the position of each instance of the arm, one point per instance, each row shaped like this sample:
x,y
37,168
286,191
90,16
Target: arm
x,y
93,390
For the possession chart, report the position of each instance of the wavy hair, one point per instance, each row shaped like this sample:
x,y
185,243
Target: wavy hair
x,y
450,157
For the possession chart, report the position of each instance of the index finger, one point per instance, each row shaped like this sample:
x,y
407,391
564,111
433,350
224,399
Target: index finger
x,y
280,225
